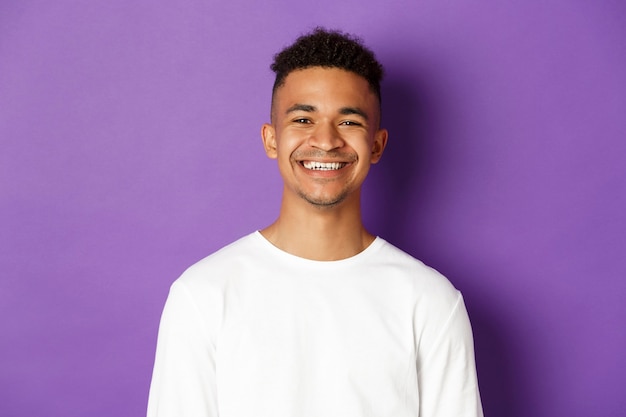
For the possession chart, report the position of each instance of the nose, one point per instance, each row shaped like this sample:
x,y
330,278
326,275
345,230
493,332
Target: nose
x,y
326,137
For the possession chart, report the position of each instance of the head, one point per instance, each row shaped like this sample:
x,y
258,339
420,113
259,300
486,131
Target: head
x,y
328,49
325,128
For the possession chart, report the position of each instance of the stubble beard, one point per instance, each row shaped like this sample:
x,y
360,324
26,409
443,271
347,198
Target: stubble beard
x,y
323,203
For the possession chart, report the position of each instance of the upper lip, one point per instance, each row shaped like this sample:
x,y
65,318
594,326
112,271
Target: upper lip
x,y
324,157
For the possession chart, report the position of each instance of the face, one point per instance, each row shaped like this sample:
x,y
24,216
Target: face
x,y
325,135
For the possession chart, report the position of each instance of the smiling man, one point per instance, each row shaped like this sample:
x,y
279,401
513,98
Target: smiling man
x,y
314,316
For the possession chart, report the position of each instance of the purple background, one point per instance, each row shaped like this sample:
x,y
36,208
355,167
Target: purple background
x,y
130,149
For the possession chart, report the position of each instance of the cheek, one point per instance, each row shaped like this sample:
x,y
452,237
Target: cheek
x,y
287,143
363,146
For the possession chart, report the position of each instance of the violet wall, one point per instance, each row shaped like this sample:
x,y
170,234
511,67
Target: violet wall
x,y
129,149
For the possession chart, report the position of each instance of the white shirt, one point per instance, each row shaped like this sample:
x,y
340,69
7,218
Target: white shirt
x,y
252,331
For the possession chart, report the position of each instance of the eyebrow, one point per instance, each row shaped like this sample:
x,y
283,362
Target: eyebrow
x,y
346,111
301,107
353,110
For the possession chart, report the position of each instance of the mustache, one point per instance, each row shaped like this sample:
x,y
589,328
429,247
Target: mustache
x,y
320,154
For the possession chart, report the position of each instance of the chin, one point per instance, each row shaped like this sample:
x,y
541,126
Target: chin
x,y
325,202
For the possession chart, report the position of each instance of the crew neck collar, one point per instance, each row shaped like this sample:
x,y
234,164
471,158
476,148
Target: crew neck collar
x,y
372,247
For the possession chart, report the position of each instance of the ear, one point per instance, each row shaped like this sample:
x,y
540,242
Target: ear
x,y
268,134
380,141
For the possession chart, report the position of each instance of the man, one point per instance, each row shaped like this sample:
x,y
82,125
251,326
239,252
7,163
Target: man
x,y
314,316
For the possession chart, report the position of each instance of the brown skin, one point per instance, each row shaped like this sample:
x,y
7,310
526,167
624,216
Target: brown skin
x,y
323,115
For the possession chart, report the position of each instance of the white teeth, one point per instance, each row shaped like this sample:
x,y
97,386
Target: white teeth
x,y
323,166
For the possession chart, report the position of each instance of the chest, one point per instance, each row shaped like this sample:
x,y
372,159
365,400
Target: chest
x,y
329,342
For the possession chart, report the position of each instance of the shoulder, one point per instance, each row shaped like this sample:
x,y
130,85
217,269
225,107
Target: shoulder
x,y
204,284
429,294
428,288
208,278
221,261
438,307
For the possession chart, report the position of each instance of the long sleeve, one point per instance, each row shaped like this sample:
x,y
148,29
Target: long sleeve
x,y
447,373
183,380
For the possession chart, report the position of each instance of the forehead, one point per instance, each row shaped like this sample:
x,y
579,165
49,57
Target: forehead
x,y
319,85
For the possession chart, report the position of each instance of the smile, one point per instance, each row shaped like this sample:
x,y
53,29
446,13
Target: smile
x,y
323,166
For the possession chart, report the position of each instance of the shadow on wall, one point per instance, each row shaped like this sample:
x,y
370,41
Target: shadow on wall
x,y
495,359
401,170
404,183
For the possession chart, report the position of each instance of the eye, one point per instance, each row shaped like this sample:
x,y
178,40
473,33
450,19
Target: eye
x,y
302,120
350,123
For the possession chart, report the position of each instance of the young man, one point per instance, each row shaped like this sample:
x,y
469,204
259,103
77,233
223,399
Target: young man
x,y
313,316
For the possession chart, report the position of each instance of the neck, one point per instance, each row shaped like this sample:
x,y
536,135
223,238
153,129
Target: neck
x,y
319,233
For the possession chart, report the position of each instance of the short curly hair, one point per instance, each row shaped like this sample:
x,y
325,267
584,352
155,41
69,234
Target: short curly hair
x,y
328,49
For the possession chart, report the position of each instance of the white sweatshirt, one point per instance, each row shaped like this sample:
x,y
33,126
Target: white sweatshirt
x,y
252,331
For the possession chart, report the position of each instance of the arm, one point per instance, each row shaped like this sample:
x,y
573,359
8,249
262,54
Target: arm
x,y
447,375
183,380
